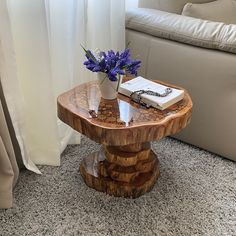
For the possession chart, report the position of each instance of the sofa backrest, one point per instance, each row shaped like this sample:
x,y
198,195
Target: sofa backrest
x,y
174,6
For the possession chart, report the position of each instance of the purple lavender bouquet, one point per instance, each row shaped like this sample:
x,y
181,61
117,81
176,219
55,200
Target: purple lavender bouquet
x,y
112,63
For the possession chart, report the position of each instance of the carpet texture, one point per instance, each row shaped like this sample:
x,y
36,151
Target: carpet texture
x,y
195,195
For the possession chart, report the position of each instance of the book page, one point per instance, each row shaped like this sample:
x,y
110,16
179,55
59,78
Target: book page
x,y
140,83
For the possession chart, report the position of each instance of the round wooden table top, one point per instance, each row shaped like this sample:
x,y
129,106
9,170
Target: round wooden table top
x,y
120,121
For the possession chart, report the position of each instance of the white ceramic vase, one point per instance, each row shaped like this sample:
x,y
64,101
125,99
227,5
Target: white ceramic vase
x,y
108,88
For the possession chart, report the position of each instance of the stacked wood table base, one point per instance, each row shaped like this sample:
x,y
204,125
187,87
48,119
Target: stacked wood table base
x,y
122,171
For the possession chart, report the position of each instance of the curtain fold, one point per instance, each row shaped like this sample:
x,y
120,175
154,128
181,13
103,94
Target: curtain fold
x,y
11,86
8,165
41,57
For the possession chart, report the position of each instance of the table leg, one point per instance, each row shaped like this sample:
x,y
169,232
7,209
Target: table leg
x,y
122,171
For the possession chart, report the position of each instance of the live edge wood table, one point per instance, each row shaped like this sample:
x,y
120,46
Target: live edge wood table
x,y
125,166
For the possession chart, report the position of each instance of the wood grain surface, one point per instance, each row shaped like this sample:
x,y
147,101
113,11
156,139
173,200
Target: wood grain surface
x,y
120,121
127,175
125,166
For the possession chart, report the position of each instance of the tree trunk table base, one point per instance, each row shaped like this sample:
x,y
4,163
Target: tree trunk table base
x,y
125,166
121,171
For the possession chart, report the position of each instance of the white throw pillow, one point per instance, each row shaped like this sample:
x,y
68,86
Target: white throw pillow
x,y
220,10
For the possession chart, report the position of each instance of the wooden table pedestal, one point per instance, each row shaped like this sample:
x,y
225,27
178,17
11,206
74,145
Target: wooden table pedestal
x,y
122,171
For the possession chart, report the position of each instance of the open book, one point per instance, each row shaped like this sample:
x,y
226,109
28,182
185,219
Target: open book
x,y
139,83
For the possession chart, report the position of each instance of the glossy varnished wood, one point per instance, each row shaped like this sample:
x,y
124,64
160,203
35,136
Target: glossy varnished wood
x,y
117,178
126,166
120,122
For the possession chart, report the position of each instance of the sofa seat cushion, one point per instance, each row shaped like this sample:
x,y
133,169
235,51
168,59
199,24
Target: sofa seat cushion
x,y
193,31
221,10
174,6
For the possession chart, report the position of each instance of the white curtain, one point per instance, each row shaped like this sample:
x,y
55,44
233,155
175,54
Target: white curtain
x,y
41,57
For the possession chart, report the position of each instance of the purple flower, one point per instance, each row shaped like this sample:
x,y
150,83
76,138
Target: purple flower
x,y
133,67
112,63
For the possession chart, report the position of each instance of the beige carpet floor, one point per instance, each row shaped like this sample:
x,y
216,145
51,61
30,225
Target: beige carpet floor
x,y
195,195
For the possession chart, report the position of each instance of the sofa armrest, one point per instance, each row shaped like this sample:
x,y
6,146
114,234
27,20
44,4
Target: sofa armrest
x,y
193,31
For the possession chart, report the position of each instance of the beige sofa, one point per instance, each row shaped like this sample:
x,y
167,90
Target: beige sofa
x,y
196,54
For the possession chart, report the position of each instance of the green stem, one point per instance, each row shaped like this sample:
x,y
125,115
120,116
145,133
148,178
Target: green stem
x,y
128,43
89,54
119,78
103,79
117,87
